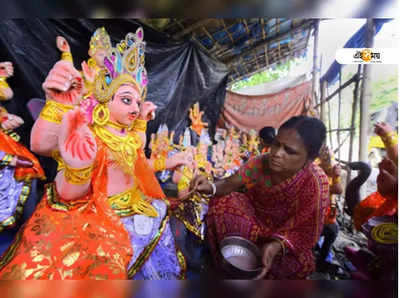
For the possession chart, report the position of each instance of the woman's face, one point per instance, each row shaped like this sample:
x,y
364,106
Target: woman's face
x,y
288,153
125,106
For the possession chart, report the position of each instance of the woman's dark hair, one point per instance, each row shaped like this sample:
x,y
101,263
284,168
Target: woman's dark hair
x,y
311,130
267,133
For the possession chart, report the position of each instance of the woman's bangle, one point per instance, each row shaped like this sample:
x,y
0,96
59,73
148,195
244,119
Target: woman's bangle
x,y
214,189
390,138
283,246
336,179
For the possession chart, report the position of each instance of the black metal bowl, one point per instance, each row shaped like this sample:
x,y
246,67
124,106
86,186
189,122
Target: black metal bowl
x,y
240,258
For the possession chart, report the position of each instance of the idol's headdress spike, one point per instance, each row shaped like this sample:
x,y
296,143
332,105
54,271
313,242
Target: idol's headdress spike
x,y
186,138
205,137
124,64
100,40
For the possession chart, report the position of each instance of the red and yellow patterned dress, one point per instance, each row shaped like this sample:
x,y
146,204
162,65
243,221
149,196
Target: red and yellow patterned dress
x,y
292,211
80,239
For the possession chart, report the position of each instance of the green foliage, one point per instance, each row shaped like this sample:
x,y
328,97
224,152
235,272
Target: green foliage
x,y
384,93
279,72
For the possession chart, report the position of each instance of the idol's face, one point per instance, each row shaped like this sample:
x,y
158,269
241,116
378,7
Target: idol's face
x,y
99,56
125,105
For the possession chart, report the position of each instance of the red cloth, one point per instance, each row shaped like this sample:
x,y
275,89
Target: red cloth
x,y
8,145
330,216
292,210
254,112
373,205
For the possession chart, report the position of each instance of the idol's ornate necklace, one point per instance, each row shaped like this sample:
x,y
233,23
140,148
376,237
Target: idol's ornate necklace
x,y
123,148
117,126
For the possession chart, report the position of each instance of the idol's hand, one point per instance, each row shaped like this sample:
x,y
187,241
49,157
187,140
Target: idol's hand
x,y
77,144
64,83
147,110
62,44
88,72
6,69
12,122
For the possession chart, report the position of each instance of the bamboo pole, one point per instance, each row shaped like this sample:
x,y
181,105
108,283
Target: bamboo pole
x,y
330,123
366,95
322,102
353,118
315,60
340,129
341,144
339,111
349,82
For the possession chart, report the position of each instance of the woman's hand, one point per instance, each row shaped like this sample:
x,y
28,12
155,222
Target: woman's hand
x,y
326,155
64,83
336,170
269,251
12,122
382,129
76,142
201,185
387,178
147,110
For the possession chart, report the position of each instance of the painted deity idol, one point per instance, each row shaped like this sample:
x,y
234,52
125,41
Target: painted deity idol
x,y
18,166
105,213
99,48
253,143
195,116
193,207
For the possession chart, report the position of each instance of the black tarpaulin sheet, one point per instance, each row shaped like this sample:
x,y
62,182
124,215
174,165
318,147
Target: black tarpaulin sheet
x,y
180,74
